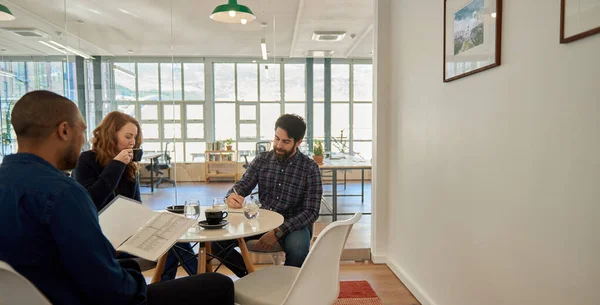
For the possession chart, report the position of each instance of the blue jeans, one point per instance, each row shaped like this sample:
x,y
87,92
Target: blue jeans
x,y
182,250
185,253
295,245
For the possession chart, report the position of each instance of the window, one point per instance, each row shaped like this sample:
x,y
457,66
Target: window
x,y
225,124
363,121
269,113
147,81
247,82
149,112
224,79
318,82
270,82
125,88
127,108
363,83
340,82
319,120
195,112
296,108
193,83
295,85
172,112
248,99
170,81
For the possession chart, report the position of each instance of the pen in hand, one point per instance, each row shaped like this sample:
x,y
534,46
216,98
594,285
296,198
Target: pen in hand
x,y
238,204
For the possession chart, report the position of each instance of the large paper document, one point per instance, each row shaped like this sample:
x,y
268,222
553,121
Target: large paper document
x,y
138,230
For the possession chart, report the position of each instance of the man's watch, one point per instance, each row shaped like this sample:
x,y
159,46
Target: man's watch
x,y
278,233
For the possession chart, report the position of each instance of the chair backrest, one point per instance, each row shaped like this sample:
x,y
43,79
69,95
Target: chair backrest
x,y
318,281
16,289
263,146
166,156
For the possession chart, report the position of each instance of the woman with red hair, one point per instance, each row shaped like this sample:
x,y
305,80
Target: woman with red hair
x,y
107,170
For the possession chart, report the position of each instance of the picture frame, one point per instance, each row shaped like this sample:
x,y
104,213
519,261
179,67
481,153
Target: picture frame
x,y
579,19
472,37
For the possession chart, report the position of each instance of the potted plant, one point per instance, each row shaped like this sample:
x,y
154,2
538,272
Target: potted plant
x,y
229,143
318,152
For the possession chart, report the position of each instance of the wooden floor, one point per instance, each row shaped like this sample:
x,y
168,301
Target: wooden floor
x,y
388,287
360,236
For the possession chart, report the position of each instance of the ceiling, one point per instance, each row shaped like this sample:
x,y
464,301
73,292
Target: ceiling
x,y
112,27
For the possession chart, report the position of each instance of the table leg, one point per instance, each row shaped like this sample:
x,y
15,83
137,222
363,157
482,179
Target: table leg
x,y
362,186
201,259
246,255
208,251
334,195
160,266
152,175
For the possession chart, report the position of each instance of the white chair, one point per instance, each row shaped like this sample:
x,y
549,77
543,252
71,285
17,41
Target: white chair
x,y
16,289
316,283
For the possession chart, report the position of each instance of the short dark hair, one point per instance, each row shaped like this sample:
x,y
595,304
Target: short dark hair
x,y
38,113
293,124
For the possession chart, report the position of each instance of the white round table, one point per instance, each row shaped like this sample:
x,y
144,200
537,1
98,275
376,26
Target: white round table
x,y
238,228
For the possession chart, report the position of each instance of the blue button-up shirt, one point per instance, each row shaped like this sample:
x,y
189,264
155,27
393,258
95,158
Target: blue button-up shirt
x,y
49,233
292,188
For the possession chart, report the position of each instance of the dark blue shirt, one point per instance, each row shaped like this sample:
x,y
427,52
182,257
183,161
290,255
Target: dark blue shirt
x,y
292,188
104,183
49,233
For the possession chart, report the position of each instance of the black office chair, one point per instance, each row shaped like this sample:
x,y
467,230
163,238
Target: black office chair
x,y
159,166
261,146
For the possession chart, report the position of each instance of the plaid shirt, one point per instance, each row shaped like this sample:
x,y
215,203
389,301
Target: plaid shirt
x,y
292,188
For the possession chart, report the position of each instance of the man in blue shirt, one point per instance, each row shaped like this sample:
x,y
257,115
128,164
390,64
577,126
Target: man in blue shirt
x,y
289,183
49,229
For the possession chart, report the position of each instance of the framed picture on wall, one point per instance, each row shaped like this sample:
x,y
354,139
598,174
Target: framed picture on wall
x,y
579,19
472,37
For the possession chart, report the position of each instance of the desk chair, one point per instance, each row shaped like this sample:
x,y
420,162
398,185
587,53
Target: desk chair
x,y
159,166
261,146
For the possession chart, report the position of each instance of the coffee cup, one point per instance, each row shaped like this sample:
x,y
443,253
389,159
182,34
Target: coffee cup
x,y
214,216
137,154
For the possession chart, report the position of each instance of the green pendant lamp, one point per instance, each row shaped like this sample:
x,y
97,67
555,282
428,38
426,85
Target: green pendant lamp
x,y
232,12
5,14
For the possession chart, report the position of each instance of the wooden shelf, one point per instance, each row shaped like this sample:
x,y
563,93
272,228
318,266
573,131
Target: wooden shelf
x,y
220,164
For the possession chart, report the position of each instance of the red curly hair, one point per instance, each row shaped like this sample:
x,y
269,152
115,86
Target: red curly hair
x,y
104,142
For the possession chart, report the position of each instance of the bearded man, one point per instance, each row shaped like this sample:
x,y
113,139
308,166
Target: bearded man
x,y
289,183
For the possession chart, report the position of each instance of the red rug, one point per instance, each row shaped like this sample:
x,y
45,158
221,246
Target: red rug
x,y
357,293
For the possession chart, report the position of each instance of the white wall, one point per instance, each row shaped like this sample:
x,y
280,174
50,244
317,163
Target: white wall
x,y
494,191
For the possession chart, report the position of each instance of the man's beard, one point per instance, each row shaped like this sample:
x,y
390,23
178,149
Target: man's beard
x,y
285,154
69,158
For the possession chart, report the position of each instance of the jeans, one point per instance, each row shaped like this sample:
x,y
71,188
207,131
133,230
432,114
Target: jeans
x,y
183,250
295,245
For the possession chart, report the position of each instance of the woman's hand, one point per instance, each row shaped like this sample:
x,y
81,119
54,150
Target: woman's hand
x,y
125,156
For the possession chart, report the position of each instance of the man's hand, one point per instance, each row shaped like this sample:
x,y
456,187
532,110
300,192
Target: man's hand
x,y
235,201
266,242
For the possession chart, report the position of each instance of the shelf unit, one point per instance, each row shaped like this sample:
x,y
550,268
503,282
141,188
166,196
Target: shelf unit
x,y
220,164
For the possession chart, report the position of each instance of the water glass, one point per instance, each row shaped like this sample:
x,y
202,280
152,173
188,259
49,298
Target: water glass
x,y
251,208
191,209
220,204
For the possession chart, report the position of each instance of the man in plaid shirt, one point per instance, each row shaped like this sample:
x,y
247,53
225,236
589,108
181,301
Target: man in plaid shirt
x,y
289,183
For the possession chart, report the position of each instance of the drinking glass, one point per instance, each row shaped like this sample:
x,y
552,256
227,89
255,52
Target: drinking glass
x,y
220,204
251,208
191,209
